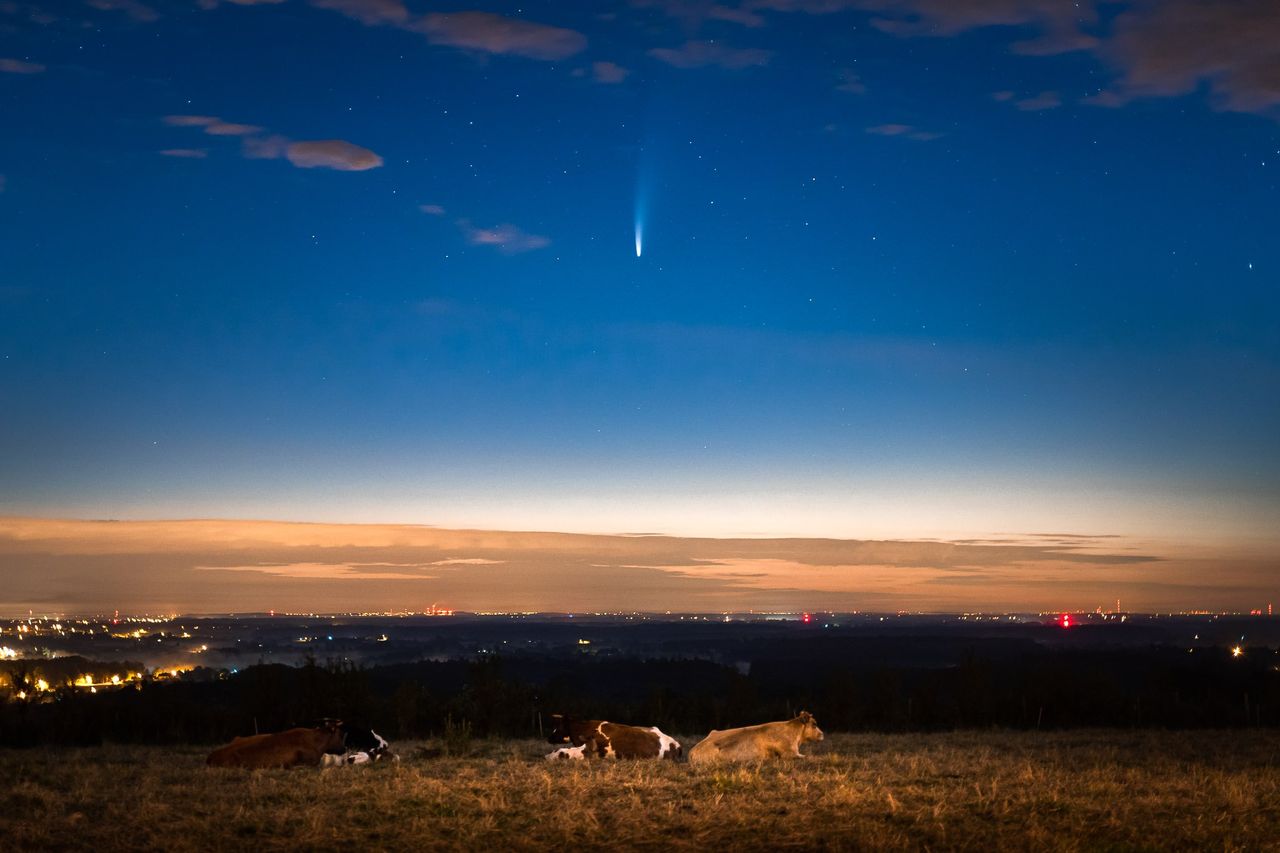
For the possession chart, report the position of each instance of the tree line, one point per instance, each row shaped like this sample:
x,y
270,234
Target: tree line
x,y
511,696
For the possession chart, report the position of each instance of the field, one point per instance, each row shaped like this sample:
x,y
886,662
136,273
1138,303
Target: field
x,y
1083,790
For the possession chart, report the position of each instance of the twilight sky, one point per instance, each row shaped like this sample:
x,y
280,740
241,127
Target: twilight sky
x,y
863,269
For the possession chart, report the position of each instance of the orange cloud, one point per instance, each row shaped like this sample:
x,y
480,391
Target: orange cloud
x,y
223,566
19,66
497,34
608,72
699,54
332,154
508,239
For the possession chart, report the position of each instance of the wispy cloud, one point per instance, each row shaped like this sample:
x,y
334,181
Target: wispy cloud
x,y
133,8
693,13
1157,49
905,131
432,209
506,238
608,72
212,125
1042,101
187,153
337,154
20,66
850,81
371,12
700,54
269,147
491,33
187,566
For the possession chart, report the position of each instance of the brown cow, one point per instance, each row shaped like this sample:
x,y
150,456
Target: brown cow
x,y
614,740
754,743
292,748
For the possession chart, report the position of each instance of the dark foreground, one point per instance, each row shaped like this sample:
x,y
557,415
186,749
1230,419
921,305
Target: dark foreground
x,y
1084,790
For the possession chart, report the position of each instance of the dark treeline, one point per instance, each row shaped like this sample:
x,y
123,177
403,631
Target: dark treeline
x,y
848,688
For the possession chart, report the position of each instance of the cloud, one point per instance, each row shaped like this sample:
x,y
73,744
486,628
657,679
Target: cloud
x,y
699,54
497,34
322,571
371,12
508,239
188,153
468,30
432,209
270,147
1061,19
332,154
221,566
1042,101
608,72
133,8
212,125
213,4
904,130
851,82
693,13
1172,47
190,121
224,128
1157,48
321,153
19,66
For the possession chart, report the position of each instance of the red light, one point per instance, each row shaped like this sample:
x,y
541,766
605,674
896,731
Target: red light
x,y
1066,620
806,618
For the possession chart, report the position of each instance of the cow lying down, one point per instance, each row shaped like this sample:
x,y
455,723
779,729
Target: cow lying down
x,y
610,740
754,743
568,753
302,747
360,746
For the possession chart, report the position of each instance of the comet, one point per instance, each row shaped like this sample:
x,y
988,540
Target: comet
x,y
642,205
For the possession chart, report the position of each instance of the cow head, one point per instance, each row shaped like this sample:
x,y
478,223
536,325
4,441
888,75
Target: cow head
x,y
809,730
334,738
560,729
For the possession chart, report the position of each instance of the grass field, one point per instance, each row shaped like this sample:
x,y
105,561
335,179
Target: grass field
x,y
1084,790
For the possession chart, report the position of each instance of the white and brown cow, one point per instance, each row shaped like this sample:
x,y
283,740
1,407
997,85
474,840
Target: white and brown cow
x,y
568,753
304,747
613,740
755,743
361,746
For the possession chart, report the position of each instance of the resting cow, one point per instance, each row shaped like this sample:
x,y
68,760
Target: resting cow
x,y
614,740
754,743
568,753
292,748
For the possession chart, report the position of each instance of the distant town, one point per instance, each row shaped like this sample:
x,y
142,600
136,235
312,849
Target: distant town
x,y
42,657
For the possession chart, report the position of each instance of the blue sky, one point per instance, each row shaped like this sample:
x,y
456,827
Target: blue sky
x,y
910,268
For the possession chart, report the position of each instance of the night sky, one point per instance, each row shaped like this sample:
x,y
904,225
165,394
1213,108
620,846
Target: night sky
x,y
844,268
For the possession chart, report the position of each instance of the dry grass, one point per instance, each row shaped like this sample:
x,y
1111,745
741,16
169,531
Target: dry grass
x,y
989,790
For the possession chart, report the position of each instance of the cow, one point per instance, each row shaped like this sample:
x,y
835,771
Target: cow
x,y
362,746
755,743
614,740
301,747
568,753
